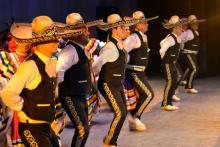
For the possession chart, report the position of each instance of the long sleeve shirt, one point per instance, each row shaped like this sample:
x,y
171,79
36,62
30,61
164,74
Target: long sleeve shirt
x,y
187,35
67,58
133,41
27,76
166,43
108,53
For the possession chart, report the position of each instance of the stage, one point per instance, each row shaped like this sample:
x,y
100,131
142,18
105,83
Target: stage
x,y
195,124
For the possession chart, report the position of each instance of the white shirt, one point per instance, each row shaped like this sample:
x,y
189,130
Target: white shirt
x,y
166,43
67,57
188,35
109,53
133,41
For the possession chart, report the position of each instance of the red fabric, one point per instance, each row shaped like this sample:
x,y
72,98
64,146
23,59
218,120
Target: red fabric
x,y
12,45
15,135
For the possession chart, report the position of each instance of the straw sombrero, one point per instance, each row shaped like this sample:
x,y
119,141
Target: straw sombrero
x,y
76,21
141,17
173,22
41,30
114,20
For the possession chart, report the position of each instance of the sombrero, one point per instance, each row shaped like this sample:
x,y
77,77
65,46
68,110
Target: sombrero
x,y
141,17
76,21
41,30
114,20
174,21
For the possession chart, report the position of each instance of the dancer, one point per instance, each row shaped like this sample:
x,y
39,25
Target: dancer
x,y
74,79
137,47
111,64
191,49
170,49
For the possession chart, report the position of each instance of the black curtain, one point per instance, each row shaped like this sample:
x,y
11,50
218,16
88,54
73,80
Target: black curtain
x,y
26,10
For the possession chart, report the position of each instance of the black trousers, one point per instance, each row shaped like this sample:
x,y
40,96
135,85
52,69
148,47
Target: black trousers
x,y
179,71
145,92
193,67
75,107
115,97
183,65
171,74
37,135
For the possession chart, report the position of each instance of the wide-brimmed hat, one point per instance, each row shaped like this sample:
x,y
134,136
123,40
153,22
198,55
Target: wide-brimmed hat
x,y
193,19
75,21
173,22
41,30
115,20
141,17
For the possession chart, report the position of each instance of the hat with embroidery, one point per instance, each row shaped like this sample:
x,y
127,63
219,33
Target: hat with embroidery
x,y
115,20
75,20
141,17
42,30
173,22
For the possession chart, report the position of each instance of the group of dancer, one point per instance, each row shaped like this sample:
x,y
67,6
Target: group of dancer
x,y
181,46
49,77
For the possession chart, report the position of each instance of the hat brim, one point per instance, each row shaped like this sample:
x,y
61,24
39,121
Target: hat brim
x,y
166,24
94,23
197,21
108,26
22,32
149,19
59,24
82,25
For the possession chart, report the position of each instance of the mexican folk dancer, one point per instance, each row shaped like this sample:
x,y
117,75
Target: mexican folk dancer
x,y
169,51
34,95
74,79
190,38
9,63
137,47
111,65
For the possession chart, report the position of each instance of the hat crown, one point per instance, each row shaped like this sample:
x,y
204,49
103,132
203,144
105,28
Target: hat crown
x,y
41,23
138,15
17,30
174,19
192,17
114,18
74,18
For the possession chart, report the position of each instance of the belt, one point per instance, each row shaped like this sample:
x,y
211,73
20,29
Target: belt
x,y
117,75
136,67
33,121
189,51
25,119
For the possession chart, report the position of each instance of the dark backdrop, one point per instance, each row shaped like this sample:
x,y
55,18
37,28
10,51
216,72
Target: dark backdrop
x,y
209,57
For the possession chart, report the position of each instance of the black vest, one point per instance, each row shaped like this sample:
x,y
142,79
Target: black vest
x,y
77,79
194,43
113,72
139,56
172,52
39,103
